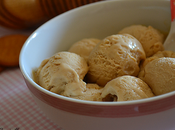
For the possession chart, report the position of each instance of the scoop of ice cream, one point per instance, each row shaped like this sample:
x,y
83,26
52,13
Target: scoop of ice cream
x,y
150,38
126,88
165,53
75,61
92,93
63,74
159,54
114,56
84,47
159,74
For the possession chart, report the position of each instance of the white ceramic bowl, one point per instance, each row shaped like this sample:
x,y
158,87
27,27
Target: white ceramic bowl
x,y
98,21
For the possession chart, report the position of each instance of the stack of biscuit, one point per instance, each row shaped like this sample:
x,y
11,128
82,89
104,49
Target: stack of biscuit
x,y
10,47
25,14
28,13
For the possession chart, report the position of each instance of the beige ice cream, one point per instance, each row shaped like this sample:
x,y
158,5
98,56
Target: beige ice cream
x,y
111,67
159,74
92,93
114,56
159,54
126,88
150,38
84,47
63,74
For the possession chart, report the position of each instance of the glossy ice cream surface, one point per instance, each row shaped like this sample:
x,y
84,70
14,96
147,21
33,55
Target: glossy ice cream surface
x,y
150,38
112,69
115,56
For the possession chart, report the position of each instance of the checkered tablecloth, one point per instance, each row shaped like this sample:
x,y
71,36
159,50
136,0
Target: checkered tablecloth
x,y
18,111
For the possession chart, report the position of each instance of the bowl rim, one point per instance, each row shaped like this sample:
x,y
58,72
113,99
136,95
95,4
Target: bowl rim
x,y
34,84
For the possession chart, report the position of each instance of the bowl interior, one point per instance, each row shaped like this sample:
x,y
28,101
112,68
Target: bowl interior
x,y
96,20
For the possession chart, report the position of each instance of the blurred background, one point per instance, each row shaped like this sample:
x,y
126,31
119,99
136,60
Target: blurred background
x,y
22,17
25,14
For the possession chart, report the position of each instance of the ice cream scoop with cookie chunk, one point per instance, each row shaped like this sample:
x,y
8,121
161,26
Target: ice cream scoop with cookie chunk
x,y
150,38
126,88
92,93
114,56
63,74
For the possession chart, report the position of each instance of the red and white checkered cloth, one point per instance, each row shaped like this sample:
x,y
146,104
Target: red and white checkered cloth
x,y
18,110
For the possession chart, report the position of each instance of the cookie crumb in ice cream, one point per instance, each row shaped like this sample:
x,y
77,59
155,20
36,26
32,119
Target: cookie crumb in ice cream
x,y
126,88
127,66
92,93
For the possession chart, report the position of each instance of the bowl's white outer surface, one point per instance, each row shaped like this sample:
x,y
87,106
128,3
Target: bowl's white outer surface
x,y
159,121
95,21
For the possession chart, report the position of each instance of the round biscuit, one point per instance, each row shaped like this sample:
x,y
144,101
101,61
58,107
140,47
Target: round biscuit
x,y
10,47
1,68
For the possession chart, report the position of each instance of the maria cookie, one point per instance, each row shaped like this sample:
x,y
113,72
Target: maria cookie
x,y
10,47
